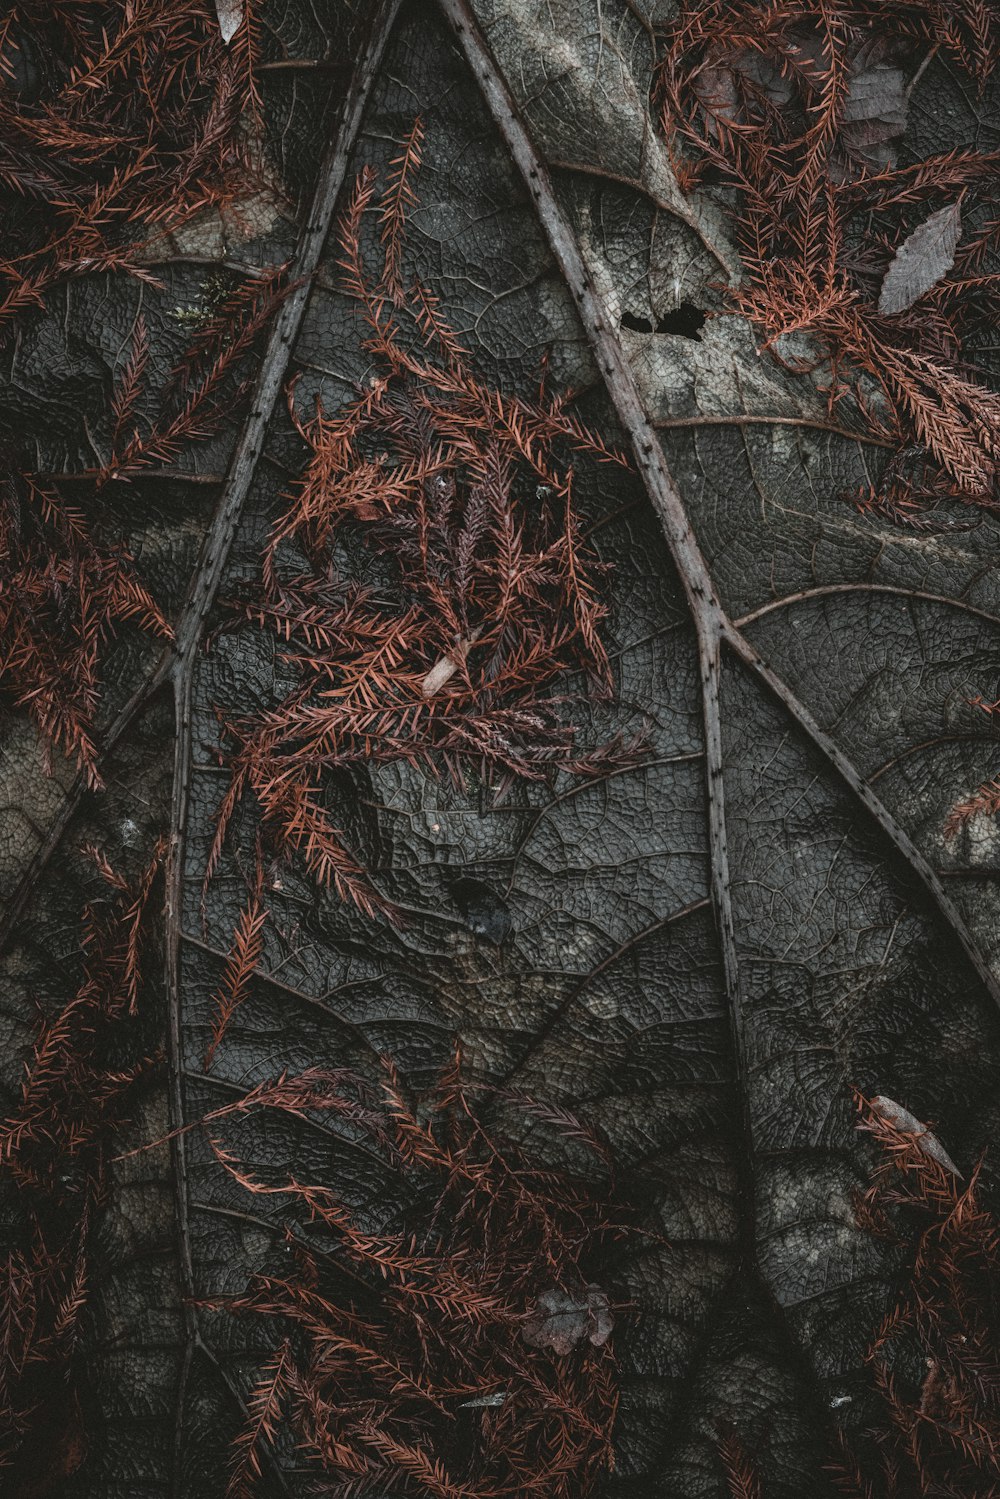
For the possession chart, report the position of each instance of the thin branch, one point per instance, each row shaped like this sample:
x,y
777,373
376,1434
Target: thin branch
x,y
92,475
748,419
300,65
201,597
827,589
880,814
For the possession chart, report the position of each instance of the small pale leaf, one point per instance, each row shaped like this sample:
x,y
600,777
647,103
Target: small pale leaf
x,y
230,14
909,1124
921,260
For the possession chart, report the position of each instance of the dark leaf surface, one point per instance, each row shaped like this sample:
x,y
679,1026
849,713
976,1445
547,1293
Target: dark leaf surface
x,y
699,955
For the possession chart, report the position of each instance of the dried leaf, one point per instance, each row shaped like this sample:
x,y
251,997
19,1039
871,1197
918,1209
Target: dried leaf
x,y
874,116
877,94
903,1120
923,258
799,780
445,668
230,14
562,1321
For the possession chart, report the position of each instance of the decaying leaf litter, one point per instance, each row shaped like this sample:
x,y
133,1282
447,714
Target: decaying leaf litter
x,y
924,401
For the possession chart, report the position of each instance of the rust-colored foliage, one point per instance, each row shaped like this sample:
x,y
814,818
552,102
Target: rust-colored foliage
x,y
984,801
796,107
61,597
199,394
482,598
466,1355
52,1151
910,492
936,1358
119,122
742,1479
244,956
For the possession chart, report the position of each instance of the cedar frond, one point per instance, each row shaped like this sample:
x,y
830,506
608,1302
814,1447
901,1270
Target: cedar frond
x,y
760,94
741,1475
198,382
495,597
395,1332
420,1467
244,49
943,1429
62,599
264,1409
127,392
50,1106
398,199
984,801
53,1147
244,956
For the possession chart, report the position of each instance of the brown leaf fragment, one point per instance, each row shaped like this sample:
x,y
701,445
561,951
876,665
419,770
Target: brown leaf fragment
x,y
923,258
561,1321
903,1120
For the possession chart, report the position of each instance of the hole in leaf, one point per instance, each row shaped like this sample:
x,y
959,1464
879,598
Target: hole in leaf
x,y
637,324
686,321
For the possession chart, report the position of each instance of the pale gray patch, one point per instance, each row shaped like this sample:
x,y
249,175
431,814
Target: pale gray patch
x,y
922,260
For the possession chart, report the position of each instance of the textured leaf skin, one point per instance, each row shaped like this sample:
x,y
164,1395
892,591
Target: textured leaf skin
x,y
921,260
586,966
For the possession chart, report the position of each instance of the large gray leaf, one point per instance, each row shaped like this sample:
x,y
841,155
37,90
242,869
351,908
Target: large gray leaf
x,y
700,955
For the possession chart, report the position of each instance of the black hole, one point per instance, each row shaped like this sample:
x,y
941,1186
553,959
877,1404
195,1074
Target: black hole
x,y
637,324
686,321
485,912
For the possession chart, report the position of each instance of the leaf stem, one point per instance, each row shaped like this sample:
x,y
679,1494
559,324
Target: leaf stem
x,y
201,596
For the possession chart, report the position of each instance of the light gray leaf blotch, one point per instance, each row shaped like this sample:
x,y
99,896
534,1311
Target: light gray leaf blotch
x,y
903,1120
877,93
230,14
921,260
